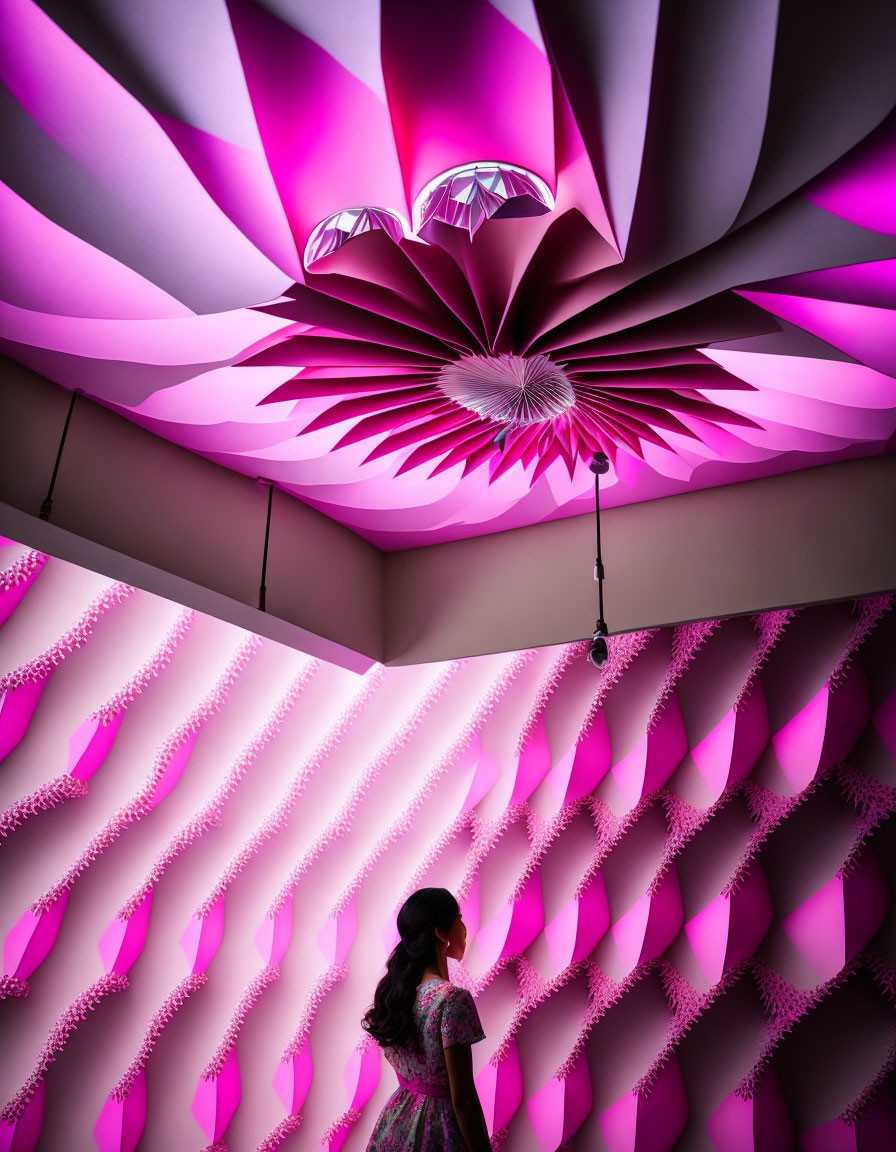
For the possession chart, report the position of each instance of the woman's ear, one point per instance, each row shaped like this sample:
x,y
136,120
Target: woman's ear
x,y
441,937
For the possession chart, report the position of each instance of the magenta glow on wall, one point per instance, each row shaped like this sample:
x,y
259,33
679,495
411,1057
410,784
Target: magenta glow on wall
x,y
677,877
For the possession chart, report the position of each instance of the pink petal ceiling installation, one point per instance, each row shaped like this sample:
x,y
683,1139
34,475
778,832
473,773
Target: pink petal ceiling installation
x,y
417,266
677,878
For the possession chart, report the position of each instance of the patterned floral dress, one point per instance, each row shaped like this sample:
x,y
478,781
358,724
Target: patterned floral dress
x,y
418,1117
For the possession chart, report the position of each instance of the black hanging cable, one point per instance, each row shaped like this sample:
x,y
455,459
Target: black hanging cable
x,y
599,653
599,466
598,562
262,591
47,507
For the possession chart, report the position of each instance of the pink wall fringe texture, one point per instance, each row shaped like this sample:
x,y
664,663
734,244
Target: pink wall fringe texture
x,y
677,876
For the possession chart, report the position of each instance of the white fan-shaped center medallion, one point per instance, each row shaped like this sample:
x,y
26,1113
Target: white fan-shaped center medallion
x,y
508,389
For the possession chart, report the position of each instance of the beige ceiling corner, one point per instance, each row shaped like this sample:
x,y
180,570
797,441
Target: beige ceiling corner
x,y
149,512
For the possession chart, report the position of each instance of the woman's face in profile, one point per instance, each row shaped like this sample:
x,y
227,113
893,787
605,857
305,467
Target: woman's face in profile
x,y
457,939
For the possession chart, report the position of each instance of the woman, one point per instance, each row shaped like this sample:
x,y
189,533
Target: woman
x,y
426,1026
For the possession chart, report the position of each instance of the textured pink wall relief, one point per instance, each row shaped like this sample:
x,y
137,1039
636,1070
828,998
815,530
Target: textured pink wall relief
x,y
21,567
22,687
677,878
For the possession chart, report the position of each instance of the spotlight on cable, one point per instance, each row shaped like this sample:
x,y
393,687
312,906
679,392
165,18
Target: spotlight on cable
x,y
599,651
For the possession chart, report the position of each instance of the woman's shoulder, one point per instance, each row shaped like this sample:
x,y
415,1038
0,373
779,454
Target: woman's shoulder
x,y
445,990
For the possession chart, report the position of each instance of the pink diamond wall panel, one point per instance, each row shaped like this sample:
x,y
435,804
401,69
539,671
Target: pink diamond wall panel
x,y
677,876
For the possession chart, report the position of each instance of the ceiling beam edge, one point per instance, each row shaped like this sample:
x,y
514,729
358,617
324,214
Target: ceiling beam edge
x,y
805,537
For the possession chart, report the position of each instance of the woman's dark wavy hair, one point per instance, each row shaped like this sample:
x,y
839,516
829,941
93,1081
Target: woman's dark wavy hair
x,y
390,1020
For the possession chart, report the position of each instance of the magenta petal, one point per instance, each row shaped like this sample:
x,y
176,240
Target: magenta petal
x,y
457,446
338,935
440,117
477,457
292,1080
17,706
731,926
326,351
867,334
275,935
23,1134
12,596
759,1124
362,1075
31,940
533,763
294,83
515,926
874,1128
240,182
122,942
837,921
385,421
646,928
577,927
559,1108
122,1122
203,937
500,1089
91,743
216,1101
650,1123
872,284
513,452
404,437
863,187
172,770
592,760
485,777
653,759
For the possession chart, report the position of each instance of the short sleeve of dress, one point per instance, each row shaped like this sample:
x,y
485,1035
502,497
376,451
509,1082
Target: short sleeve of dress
x,y
460,1020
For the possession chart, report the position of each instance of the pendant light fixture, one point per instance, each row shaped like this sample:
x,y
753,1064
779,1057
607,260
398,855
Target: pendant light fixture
x,y
599,652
